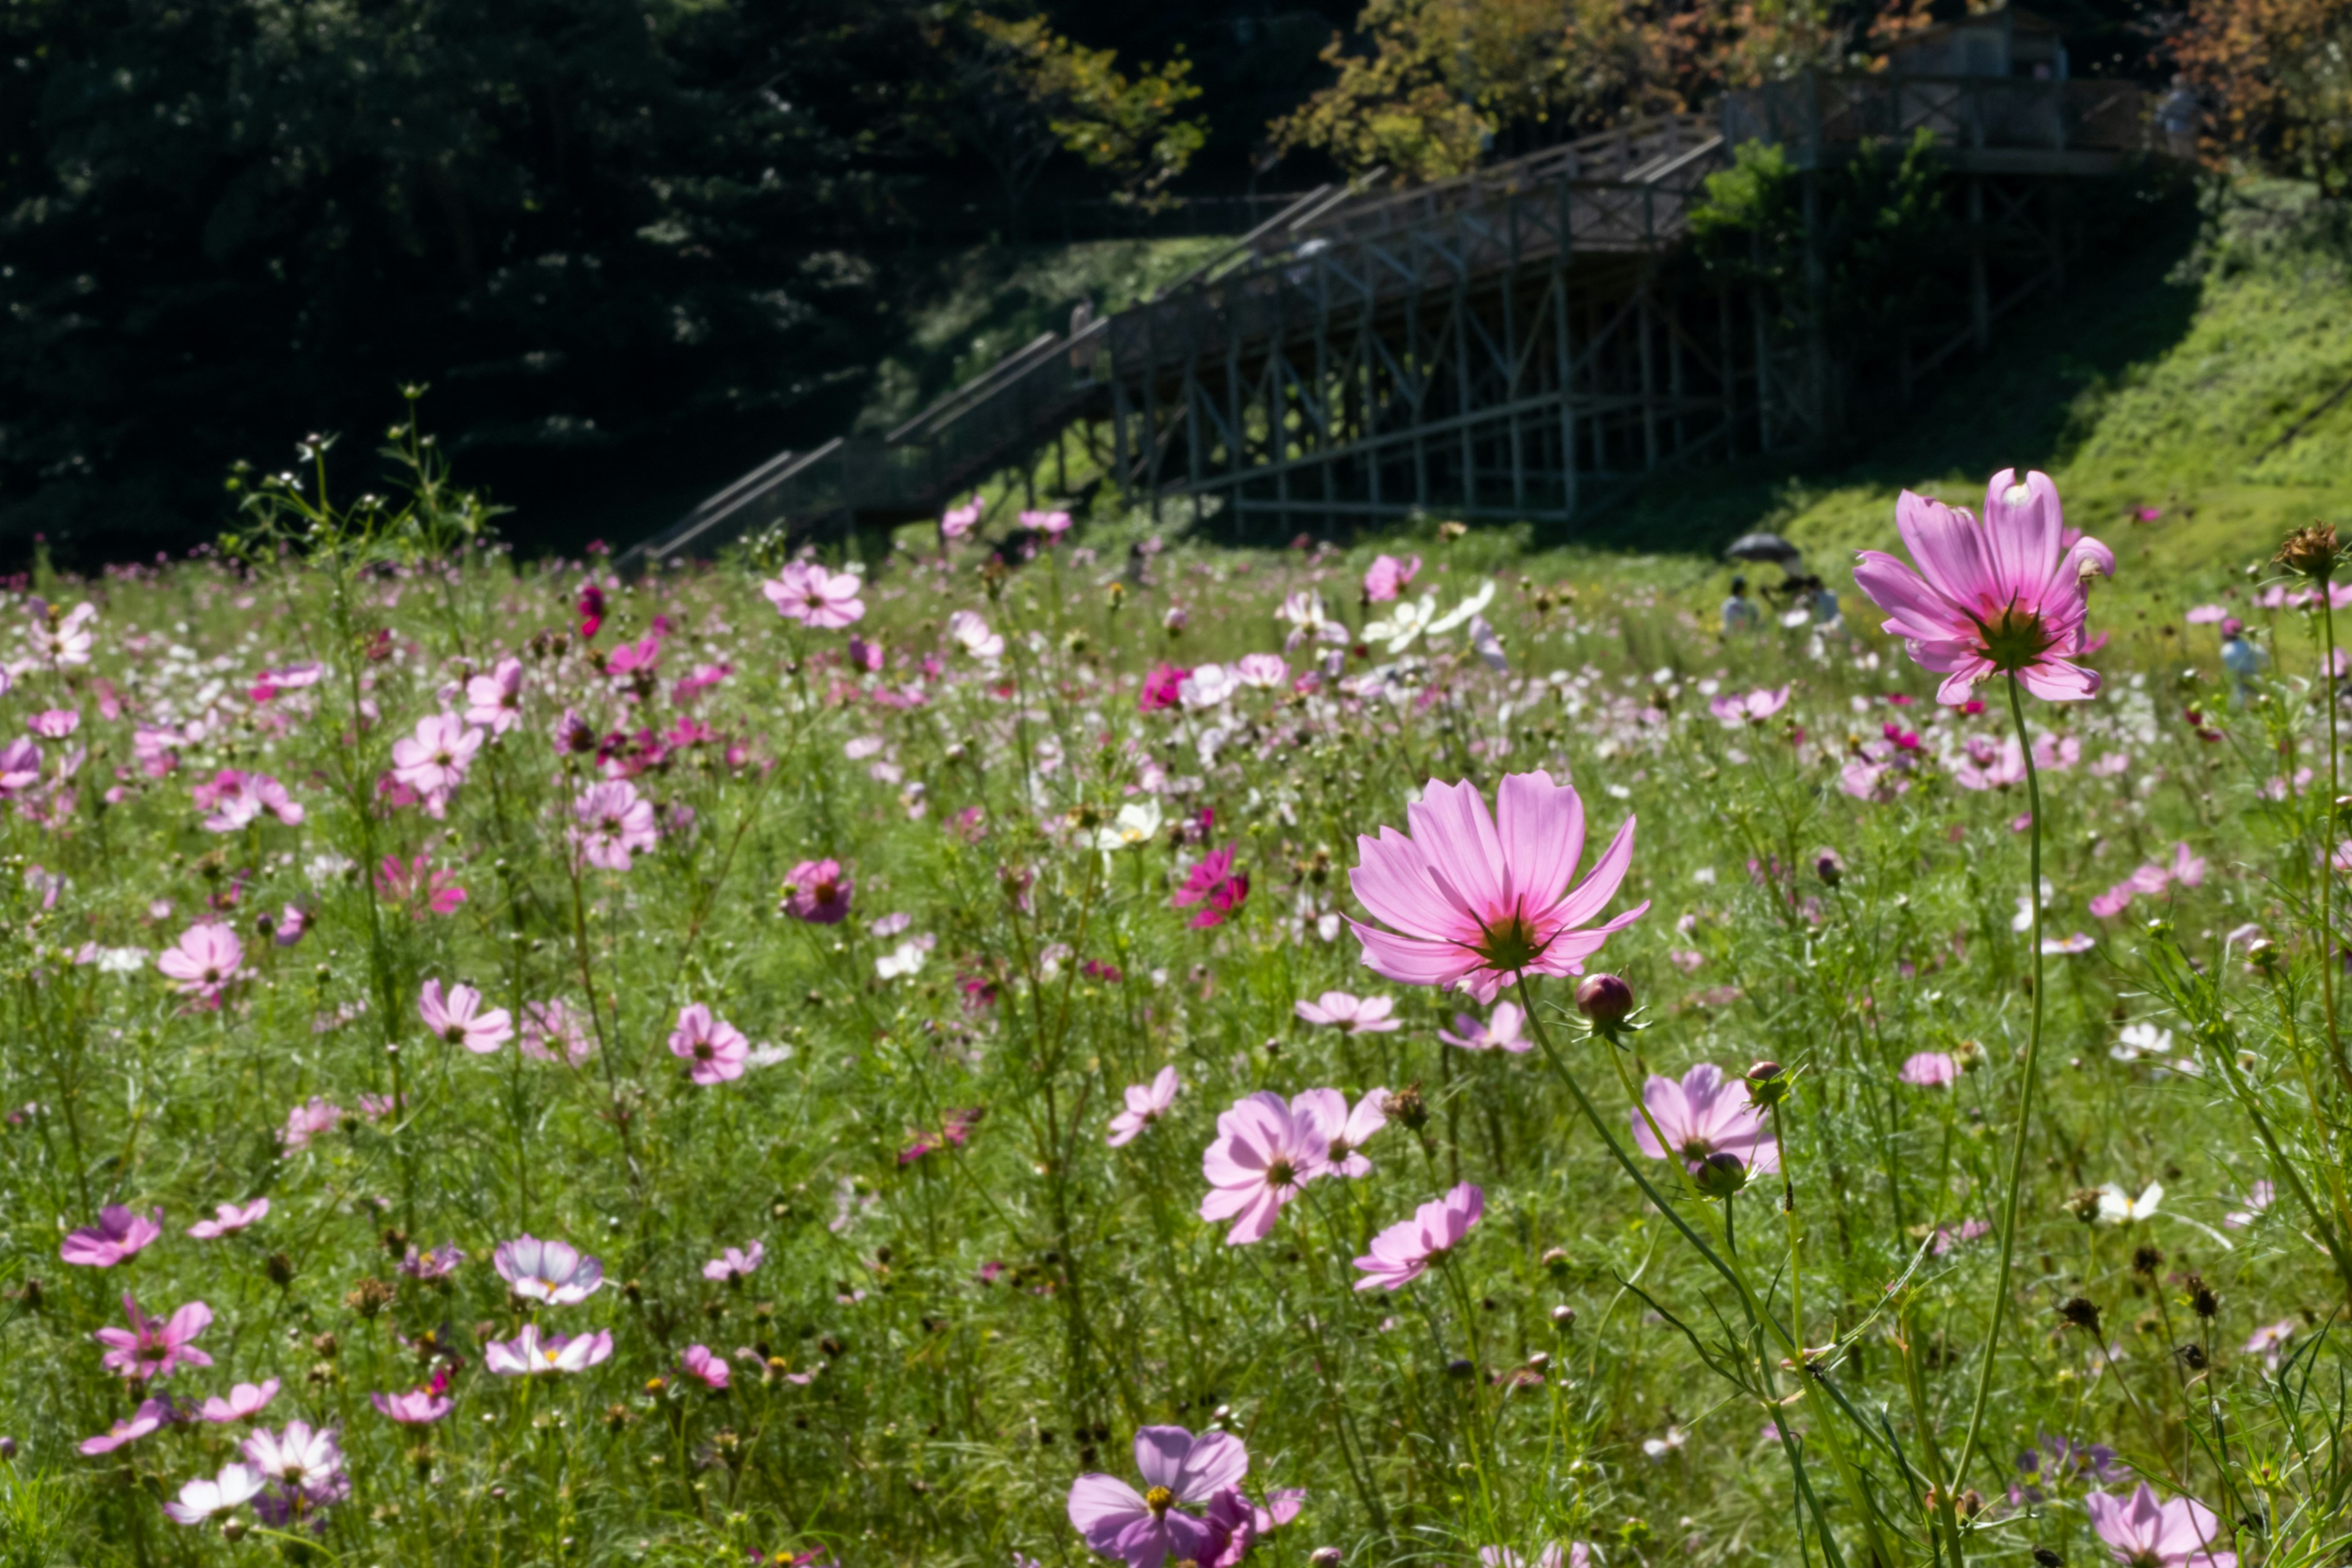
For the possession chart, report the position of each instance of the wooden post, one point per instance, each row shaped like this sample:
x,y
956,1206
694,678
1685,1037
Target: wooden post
x,y
1980,292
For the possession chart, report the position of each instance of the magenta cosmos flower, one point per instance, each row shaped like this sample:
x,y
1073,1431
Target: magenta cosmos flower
x,y
204,962
528,1355
1146,1103
818,892
807,593
714,1050
418,1406
734,1264
1350,1015
150,1414
2141,1532
614,822
700,1364
1403,1252
1704,1116
245,1402
1343,1131
151,1348
1388,576
1147,1529
1476,900
1263,1156
458,1018
119,1234
554,1273
2005,595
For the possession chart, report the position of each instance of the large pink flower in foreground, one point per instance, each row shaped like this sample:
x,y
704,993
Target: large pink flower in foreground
x,y
151,1347
2144,1533
2008,593
1701,1116
1263,1156
1475,901
1146,1529
205,960
1403,1252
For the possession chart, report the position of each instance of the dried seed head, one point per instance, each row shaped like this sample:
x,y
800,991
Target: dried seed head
x,y
2081,1311
2310,550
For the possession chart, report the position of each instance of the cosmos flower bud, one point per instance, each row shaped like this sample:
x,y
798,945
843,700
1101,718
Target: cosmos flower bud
x,y
2201,1297
1563,1316
1324,1557
2084,1204
2310,550
1829,867
1766,1083
1720,1175
2148,1260
1604,999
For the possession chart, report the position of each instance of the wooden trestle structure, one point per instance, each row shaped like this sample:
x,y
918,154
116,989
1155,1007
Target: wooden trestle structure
x,y
1514,343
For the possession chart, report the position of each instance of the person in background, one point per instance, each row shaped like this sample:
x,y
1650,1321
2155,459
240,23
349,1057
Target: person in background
x,y
2178,115
1739,610
2241,658
1822,601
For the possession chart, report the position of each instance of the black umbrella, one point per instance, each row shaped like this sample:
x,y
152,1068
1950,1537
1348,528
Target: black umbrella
x,y
1763,547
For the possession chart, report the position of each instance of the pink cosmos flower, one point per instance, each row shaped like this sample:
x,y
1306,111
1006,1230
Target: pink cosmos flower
x,y
1752,709
304,1461
553,1031
419,883
1403,1252
1146,1529
2269,1342
494,702
865,655
716,1048
1267,671
1163,688
200,1499
1343,1131
1350,1015
700,1364
614,824
55,723
2258,1198
205,960
1931,1069
306,1121
818,892
228,1219
734,1265
292,926
1263,1156
959,521
418,1408
554,1273
20,766
2188,867
119,1235
1704,1115
972,632
527,1355
1987,765
590,605
1476,901
1502,1030
150,1414
245,1402
1387,578
1213,882
1577,1555
434,760
2140,1532
1146,1103
822,600
459,1020
2004,595
151,1348
1052,524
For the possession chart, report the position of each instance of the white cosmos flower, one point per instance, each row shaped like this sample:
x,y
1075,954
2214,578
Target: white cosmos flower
x,y
1135,823
2117,1206
1465,609
201,1498
1401,626
906,958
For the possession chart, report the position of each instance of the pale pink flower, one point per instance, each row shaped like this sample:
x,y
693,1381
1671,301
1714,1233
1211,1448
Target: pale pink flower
x,y
2001,596
1269,671
228,1219
2206,615
807,593
20,766
2258,1198
418,1408
306,1121
818,892
715,1049
2188,867
554,1273
2140,1532
1930,1069
972,635
1350,1015
151,1347
205,960
1704,1115
245,1402
1476,901
1404,1251
1502,1030
1343,1131
1577,1555
1989,766
63,640
434,760
460,1019
150,1414
553,1031
494,702
1146,1103
527,1355
959,521
1263,1156
1146,1529
119,1234
1052,524
436,1264
614,824
199,1499
304,1461
734,1264
55,723
699,1364
1387,578
1754,707
2269,1342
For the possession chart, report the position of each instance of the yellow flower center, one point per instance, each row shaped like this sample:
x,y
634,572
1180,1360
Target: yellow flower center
x,y
1158,1501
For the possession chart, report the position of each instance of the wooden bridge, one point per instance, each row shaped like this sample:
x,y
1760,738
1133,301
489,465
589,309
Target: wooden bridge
x,y
1509,344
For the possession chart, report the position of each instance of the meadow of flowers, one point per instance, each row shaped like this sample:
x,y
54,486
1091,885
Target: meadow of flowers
x,y
1036,1045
